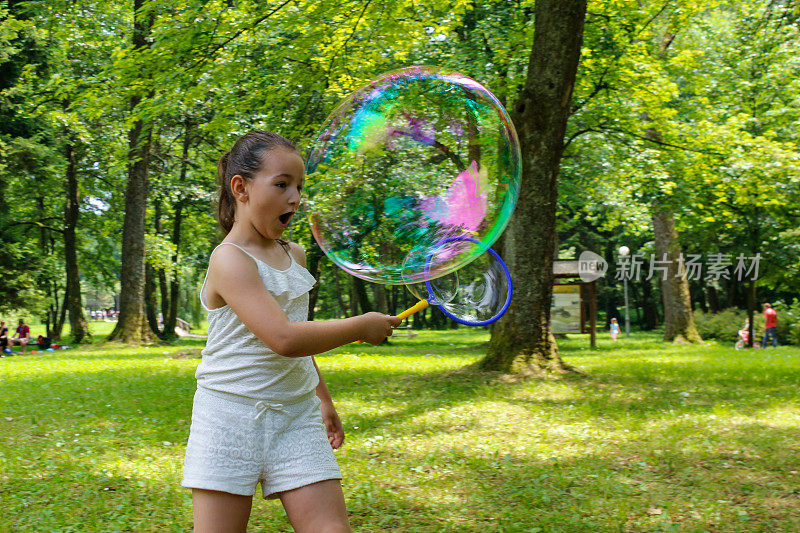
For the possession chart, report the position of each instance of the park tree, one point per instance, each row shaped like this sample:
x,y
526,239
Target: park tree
x,y
131,326
745,182
24,152
540,114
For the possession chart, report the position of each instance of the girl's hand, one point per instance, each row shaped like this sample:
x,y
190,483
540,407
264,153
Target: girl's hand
x,y
333,424
378,326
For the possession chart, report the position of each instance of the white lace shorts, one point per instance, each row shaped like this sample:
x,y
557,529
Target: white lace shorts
x,y
237,442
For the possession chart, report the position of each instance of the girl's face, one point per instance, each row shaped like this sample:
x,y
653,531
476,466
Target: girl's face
x,y
273,195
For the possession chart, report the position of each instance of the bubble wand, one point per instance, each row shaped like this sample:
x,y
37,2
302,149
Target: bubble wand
x,y
451,309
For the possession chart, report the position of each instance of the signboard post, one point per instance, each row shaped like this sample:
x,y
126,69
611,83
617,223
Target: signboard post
x,y
567,311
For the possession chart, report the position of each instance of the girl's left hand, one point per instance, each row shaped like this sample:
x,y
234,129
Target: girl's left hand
x,y
333,424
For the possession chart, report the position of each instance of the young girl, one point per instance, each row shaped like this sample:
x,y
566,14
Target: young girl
x,y
262,410
614,329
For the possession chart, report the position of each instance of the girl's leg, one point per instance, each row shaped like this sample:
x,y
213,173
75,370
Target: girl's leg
x,y
220,512
317,508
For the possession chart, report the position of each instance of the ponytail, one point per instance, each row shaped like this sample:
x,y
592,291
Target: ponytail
x,y
244,159
226,205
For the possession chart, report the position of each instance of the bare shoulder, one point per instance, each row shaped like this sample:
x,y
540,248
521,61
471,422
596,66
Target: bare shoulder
x,y
298,253
229,263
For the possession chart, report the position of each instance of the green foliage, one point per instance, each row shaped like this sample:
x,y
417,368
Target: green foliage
x,y
724,326
694,104
788,322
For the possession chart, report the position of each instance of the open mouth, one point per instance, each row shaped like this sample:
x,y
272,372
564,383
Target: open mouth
x,y
286,217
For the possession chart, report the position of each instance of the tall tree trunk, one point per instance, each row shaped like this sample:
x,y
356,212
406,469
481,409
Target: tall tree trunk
x,y
171,316
59,325
314,258
649,308
353,300
150,301
77,320
541,113
361,294
713,298
132,326
163,286
46,247
338,289
678,318
379,291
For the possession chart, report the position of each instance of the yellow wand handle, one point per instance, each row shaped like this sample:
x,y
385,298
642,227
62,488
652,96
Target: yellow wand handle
x,y
419,306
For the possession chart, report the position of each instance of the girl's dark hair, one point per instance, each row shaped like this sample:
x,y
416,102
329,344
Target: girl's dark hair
x,y
244,158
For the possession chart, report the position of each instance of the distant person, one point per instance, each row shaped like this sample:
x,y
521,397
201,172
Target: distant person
x,y
614,329
3,337
262,413
22,336
770,326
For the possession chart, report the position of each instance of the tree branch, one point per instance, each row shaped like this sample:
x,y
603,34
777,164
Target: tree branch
x,y
599,86
214,49
576,135
38,224
664,143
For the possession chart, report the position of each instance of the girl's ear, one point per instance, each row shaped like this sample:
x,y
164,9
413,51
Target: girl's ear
x,y
239,188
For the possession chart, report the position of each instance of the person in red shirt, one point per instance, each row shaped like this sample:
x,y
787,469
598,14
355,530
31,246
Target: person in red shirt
x,y
22,336
770,326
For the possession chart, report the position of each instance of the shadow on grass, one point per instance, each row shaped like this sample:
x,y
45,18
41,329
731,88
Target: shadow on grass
x,y
703,476
623,488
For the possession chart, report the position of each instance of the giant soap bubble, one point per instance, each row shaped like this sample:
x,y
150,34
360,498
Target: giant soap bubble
x,y
415,157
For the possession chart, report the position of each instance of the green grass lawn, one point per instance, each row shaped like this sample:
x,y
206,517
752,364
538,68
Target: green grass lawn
x,y
655,438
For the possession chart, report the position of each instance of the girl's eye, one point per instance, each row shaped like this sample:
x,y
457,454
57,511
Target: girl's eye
x,y
281,184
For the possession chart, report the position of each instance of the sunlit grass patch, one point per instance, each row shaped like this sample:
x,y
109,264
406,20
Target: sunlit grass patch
x,y
655,438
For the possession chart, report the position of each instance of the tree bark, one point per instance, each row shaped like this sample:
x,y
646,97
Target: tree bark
x,y
150,301
649,307
353,300
314,258
522,337
381,304
163,285
132,326
171,316
361,294
678,318
59,326
77,320
338,289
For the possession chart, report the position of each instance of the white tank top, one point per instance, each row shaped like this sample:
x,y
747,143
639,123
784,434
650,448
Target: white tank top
x,y
237,362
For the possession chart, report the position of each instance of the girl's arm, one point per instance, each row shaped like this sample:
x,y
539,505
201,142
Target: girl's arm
x,y
333,424
233,277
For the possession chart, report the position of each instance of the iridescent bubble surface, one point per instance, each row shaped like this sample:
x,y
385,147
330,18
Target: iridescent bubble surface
x,y
475,293
482,292
414,157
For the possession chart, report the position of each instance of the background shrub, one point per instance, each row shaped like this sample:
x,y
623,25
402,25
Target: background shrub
x,y
725,325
